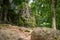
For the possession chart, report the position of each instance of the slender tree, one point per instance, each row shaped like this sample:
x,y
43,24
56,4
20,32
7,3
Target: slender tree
x,y
53,14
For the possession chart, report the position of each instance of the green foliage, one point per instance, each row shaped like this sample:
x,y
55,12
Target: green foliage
x,y
40,13
20,22
58,14
31,22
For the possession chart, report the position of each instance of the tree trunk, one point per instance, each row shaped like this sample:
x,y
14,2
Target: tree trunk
x,y
53,14
5,10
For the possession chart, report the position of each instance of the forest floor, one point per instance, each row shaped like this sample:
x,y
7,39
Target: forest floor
x,y
24,32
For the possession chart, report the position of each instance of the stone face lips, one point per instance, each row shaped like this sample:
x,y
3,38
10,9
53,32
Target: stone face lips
x,y
45,34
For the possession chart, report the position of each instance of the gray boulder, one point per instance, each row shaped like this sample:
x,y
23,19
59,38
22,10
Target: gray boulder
x,y
45,34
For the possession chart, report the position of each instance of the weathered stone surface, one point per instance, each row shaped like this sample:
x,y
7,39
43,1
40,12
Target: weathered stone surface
x,y
9,34
45,34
